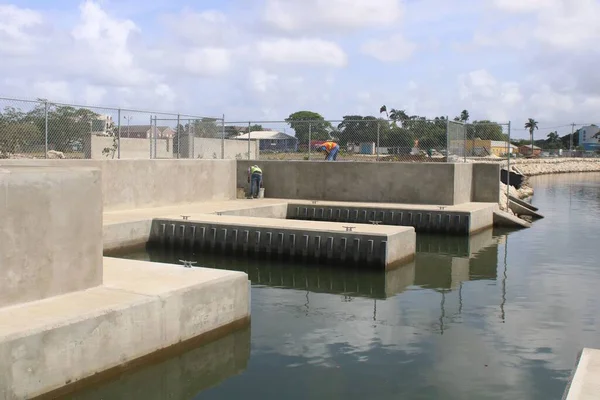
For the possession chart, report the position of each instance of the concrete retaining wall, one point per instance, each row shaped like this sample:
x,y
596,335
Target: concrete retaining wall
x,y
209,148
412,183
234,149
485,183
205,148
132,148
46,249
130,184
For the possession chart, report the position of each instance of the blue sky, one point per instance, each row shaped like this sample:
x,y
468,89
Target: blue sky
x,y
503,60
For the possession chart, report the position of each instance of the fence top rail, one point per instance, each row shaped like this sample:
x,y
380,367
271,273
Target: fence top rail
x,y
256,122
187,118
42,101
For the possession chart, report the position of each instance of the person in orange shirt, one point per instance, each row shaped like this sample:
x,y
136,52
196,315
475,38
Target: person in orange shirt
x,y
331,149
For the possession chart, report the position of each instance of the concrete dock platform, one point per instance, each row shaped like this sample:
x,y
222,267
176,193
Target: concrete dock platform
x,y
68,314
464,219
129,228
585,382
379,245
141,308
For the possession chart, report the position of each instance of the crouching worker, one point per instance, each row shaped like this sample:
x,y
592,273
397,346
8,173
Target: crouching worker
x,y
331,150
255,180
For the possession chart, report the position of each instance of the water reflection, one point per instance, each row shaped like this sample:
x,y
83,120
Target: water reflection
x,y
440,263
495,316
181,377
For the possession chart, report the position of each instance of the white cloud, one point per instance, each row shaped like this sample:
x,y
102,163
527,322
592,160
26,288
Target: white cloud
x,y
94,94
569,25
488,98
302,51
53,90
206,28
394,48
517,60
15,25
332,15
207,61
263,81
101,48
517,6
557,24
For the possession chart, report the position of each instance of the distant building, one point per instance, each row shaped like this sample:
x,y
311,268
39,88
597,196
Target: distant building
x,y
525,150
272,140
589,138
146,131
101,125
482,148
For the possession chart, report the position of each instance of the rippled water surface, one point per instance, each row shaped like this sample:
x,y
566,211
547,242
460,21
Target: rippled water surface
x,y
496,316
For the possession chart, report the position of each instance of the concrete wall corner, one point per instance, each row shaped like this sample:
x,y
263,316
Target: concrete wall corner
x,y
486,183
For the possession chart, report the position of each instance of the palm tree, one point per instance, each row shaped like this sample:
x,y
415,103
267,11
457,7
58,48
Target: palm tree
x,y
464,116
532,125
396,115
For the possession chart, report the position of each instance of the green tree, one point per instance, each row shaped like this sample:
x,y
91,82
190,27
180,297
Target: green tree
x,y
464,116
206,128
486,130
68,127
398,115
302,121
358,129
553,141
531,125
17,135
256,128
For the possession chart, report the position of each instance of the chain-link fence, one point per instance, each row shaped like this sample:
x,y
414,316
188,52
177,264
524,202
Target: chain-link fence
x,y
479,140
45,129
367,139
372,139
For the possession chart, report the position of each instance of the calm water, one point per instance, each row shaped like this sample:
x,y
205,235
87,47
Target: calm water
x,y
497,316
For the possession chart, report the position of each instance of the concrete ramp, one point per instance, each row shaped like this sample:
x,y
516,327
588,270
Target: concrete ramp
x,y
523,203
502,218
522,208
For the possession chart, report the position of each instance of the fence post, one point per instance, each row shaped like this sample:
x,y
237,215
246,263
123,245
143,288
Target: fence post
x,y
223,138
119,134
150,137
447,139
465,142
571,140
46,127
377,149
309,138
155,136
192,139
508,171
248,140
178,138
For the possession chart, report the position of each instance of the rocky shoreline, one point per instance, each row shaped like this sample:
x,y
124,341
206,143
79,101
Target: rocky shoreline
x,y
535,167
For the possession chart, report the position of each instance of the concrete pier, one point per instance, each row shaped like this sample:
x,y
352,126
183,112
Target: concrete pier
x,y
66,313
585,382
377,245
126,229
460,219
